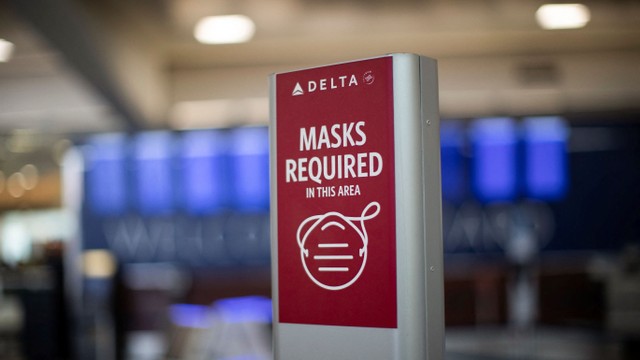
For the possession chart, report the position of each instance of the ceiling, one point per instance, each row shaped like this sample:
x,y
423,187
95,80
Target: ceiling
x,y
93,66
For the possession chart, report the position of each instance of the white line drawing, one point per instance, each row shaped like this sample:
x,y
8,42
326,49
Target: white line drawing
x,y
333,269
332,223
340,245
333,257
354,222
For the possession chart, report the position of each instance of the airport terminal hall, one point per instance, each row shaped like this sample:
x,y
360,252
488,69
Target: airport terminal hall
x,y
320,180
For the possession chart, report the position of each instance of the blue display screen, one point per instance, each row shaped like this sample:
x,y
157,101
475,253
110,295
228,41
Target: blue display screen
x,y
153,180
452,140
106,174
494,168
249,158
204,176
545,152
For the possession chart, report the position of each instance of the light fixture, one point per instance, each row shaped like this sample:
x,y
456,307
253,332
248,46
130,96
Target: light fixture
x,y
98,263
225,29
563,16
6,49
15,185
31,176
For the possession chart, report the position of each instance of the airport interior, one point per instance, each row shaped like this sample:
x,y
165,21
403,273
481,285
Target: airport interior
x,y
134,170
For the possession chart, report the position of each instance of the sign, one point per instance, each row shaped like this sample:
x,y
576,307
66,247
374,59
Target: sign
x,y
335,195
344,239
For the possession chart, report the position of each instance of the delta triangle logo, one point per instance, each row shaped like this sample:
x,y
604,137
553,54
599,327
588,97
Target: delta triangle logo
x,y
297,90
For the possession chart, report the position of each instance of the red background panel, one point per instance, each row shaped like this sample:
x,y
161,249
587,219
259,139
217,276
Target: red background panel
x,y
336,252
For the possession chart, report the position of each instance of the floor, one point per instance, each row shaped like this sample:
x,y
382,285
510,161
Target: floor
x,y
499,343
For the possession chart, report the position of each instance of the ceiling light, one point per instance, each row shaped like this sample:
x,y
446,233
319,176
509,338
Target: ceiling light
x,y
226,29
563,16
6,49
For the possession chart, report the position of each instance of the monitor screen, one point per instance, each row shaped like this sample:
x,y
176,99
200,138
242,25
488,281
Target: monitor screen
x,y
249,156
204,173
153,183
545,155
106,174
454,177
494,167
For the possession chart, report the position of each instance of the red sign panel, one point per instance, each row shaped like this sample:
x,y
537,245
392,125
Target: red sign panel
x,y
336,195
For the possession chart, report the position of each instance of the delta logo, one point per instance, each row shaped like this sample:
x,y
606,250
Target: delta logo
x,y
326,84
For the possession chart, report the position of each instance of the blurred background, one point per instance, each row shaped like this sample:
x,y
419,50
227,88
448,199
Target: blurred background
x,y
134,205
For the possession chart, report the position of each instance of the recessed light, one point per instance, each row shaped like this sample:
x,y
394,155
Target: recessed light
x,y
225,29
6,49
563,16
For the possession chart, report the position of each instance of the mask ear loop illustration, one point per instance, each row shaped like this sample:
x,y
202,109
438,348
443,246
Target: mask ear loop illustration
x,y
315,220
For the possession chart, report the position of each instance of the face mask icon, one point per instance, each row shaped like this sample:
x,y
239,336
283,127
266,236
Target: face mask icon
x,y
333,247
